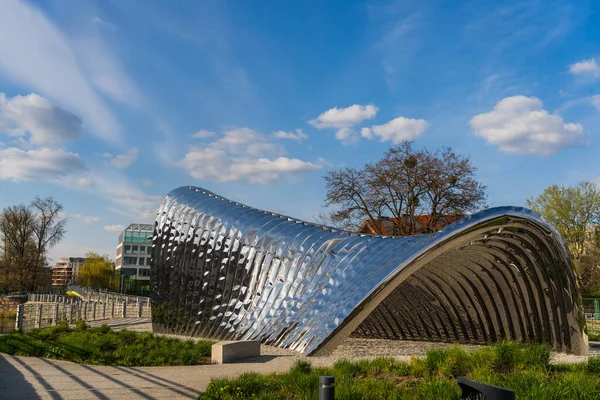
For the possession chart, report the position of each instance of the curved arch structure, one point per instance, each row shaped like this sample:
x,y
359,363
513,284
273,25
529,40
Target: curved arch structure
x,y
227,271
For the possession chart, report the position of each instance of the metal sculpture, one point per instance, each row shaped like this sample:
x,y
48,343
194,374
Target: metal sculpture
x,y
224,270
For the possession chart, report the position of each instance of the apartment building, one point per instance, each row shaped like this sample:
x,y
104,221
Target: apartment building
x,y
66,271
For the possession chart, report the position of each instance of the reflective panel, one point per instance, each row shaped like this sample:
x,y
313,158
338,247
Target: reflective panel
x,y
227,271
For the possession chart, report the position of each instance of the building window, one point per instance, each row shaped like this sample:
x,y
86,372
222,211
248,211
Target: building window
x,y
144,272
142,249
134,249
149,250
141,261
148,261
127,249
130,260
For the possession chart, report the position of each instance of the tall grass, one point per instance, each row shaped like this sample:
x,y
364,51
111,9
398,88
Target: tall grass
x,y
103,346
526,369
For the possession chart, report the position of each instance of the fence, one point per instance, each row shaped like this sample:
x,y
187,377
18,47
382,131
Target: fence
x,y
99,297
45,310
103,296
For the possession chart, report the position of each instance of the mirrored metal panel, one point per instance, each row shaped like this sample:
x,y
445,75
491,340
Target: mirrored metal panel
x,y
227,271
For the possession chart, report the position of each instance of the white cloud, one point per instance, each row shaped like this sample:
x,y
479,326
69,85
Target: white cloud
x,y
37,116
595,100
38,55
39,164
202,134
114,228
86,219
217,165
244,141
343,119
242,154
298,136
585,67
123,160
520,125
396,130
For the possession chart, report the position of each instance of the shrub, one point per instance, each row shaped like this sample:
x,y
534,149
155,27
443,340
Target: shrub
x,y
81,326
103,346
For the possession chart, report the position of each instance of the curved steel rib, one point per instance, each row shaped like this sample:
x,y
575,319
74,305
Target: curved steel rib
x,y
224,270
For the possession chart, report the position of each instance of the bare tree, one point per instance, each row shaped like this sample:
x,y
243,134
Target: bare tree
x,y
27,232
404,184
351,189
16,226
48,229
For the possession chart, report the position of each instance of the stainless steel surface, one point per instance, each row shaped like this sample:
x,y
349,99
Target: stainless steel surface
x,y
224,270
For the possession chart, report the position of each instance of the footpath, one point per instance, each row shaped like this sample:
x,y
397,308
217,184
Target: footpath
x,y
24,378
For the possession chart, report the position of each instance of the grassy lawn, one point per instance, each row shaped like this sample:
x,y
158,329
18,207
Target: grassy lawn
x,y
103,346
524,369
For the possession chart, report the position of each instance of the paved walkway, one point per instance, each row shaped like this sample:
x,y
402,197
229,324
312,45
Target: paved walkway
x,y
23,378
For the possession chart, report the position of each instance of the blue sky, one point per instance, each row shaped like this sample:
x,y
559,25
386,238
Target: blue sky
x,y
108,105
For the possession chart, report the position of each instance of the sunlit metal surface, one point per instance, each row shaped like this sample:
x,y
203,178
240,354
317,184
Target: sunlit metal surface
x,y
224,270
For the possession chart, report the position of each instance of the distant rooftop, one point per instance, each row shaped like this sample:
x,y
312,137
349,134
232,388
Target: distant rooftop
x,y
140,227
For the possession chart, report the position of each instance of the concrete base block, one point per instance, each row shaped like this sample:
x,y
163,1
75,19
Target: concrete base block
x,y
231,351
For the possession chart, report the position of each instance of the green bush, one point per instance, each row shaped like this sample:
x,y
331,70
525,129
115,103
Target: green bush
x,y
103,346
523,368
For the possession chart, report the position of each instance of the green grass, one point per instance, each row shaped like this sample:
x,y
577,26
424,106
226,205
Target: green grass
x,y
525,369
103,346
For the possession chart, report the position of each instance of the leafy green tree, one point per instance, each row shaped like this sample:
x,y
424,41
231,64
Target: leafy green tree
x,y
571,209
97,272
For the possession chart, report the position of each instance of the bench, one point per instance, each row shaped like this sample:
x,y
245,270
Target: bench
x,y
231,351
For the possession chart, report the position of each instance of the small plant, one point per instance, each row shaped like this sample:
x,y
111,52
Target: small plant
x,y
81,326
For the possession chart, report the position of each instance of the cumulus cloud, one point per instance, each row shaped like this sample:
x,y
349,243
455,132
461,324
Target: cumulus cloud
x,y
520,125
344,119
86,219
242,154
217,165
114,228
244,141
588,67
123,160
37,117
298,136
202,134
39,164
396,130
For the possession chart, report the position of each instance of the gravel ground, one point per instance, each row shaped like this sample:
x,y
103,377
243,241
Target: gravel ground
x,y
351,348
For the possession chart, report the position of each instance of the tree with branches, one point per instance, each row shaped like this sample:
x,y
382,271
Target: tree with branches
x,y
28,232
571,209
405,184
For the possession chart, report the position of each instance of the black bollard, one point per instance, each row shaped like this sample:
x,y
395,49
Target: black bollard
x,y
477,390
326,388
